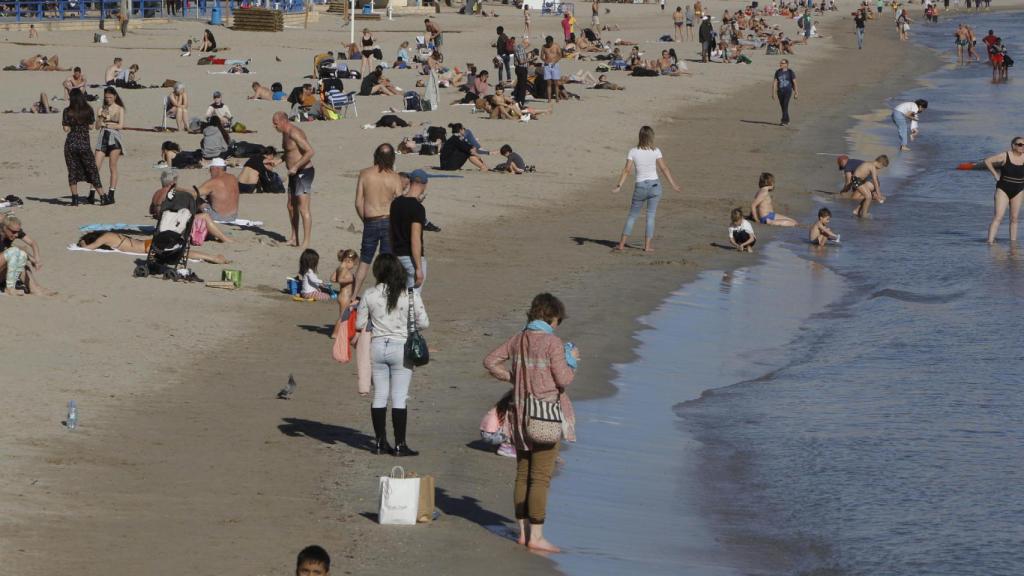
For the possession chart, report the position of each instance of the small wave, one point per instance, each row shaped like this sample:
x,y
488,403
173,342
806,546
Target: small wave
x,y
907,296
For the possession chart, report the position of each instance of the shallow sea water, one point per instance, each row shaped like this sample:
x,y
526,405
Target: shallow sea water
x,y
866,413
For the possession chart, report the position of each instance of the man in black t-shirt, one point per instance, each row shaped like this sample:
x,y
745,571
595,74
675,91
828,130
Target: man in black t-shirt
x,y
784,86
408,219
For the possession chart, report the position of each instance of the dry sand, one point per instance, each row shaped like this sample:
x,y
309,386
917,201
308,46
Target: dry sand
x,y
185,463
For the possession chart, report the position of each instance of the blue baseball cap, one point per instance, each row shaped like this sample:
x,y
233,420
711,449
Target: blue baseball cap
x,y
418,176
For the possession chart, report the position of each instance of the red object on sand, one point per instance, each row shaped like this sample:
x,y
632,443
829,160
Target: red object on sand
x,y
968,166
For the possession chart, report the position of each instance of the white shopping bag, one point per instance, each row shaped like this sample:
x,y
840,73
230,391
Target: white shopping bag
x,y
399,498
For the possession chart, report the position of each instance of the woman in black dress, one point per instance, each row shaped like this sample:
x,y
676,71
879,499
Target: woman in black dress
x,y
78,118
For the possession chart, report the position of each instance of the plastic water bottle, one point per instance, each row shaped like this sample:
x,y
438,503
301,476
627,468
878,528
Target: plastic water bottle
x,y
72,421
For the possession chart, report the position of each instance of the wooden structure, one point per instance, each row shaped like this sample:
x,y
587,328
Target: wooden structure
x,y
258,20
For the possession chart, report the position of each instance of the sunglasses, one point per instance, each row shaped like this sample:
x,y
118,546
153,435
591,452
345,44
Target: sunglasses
x,y
1018,143
11,230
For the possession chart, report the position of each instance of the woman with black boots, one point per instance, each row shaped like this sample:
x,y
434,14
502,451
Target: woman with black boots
x,y
384,309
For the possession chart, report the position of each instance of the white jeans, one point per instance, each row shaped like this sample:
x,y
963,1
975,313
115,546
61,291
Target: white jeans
x,y
410,271
391,377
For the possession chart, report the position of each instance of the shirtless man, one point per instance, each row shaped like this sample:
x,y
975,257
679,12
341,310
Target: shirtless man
x,y
376,187
112,71
220,192
551,54
40,62
260,92
76,80
763,209
298,157
865,185
168,182
433,33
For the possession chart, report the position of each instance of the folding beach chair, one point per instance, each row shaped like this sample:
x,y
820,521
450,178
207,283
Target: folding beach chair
x,y
167,115
340,102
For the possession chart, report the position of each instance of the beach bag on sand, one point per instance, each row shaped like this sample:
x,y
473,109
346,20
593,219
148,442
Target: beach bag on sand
x,y
399,498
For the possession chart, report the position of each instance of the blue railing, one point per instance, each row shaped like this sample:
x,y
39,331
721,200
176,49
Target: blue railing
x,y
29,10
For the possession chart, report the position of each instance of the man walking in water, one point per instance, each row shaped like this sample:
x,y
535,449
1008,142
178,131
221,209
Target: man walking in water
x,y
298,157
376,188
551,54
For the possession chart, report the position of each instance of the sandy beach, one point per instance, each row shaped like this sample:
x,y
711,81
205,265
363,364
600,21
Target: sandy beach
x,y
184,462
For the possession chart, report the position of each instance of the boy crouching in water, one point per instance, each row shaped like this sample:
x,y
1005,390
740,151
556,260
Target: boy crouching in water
x,y
820,232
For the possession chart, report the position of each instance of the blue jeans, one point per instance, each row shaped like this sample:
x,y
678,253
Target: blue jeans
x,y
860,38
391,377
902,126
649,192
410,271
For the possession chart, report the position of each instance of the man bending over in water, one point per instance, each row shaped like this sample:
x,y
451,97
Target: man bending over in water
x,y
865,186
763,209
298,157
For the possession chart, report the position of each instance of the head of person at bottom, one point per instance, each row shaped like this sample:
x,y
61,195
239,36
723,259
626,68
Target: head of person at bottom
x,y
921,103
313,561
824,216
390,273
547,308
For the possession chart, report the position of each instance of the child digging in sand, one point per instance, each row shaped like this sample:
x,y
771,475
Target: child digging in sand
x,y
345,279
494,428
741,233
820,232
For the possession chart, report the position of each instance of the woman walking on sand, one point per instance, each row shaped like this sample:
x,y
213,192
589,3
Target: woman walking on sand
x,y
647,160
387,305
541,369
1009,185
77,119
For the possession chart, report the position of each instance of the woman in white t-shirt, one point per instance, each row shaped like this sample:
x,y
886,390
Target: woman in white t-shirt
x,y
905,118
647,160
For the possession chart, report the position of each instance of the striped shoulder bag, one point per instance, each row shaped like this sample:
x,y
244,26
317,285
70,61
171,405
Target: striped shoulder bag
x,y
543,418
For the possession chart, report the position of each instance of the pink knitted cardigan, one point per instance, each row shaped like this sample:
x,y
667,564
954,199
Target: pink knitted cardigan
x,y
548,374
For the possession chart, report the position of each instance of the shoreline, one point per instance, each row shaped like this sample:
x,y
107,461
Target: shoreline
x,y
472,495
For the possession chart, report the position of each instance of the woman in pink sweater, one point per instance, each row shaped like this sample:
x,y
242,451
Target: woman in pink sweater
x,y
541,366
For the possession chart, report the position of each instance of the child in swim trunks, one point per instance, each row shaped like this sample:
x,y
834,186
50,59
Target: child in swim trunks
x,y
763,208
820,232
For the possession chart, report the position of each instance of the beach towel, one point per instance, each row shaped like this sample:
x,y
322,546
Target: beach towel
x,y
241,222
77,248
118,227
364,362
342,351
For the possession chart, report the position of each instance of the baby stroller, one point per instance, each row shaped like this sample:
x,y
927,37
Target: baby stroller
x,y
168,250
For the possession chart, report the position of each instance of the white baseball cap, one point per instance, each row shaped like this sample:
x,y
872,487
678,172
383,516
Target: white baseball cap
x,y
218,163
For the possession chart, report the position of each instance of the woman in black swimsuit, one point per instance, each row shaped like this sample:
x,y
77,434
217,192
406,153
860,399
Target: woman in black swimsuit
x,y
368,42
1009,185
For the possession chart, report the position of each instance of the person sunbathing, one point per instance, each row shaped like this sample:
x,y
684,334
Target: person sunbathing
x,y
125,243
411,146
604,84
40,106
40,63
582,77
260,92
